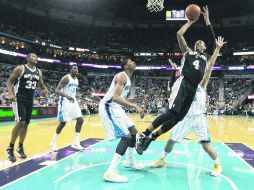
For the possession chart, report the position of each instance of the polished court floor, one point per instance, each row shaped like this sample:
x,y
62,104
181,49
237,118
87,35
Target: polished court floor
x,y
188,167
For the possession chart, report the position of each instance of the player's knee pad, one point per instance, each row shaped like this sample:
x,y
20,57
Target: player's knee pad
x,y
205,146
123,145
133,141
60,127
80,121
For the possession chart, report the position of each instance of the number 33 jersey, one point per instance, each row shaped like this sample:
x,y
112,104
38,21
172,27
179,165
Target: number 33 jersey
x,y
27,82
193,65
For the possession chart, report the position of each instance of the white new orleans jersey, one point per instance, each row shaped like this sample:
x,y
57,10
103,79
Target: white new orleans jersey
x,y
198,105
108,97
70,88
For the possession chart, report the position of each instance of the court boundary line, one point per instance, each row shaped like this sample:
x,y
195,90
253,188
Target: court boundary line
x,y
16,180
239,157
177,163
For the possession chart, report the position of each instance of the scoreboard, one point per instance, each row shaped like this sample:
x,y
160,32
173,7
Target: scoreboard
x,y
175,15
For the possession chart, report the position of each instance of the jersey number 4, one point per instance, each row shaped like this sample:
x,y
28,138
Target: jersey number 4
x,y
31,84
196,64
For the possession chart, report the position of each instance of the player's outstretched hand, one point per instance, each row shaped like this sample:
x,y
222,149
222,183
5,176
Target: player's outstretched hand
x,y
205,13
220,42
70,99
140,111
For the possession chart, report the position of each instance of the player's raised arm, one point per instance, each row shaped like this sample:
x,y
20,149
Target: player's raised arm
x,y
181,41
120,81
60,85
42,86
219,43
211,36
15,74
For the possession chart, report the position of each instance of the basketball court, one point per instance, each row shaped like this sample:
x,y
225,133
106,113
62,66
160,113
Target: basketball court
x,y
188,167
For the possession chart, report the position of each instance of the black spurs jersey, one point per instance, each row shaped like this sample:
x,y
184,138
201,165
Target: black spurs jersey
x,y
27,83
193,67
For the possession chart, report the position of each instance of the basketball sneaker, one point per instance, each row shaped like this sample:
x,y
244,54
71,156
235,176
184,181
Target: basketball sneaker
x,y
54,147
217,170
10,154
77,147
20,151
158,163
133,164
147,142
140,139
113,176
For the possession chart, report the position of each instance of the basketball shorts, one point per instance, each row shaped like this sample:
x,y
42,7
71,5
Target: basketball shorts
x,y
22,110
68,111
182,96
115,121
196,124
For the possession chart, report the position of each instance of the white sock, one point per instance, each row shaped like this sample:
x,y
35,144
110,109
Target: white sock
x,y
76,138
216,161
129,153
115,162
54,138
164,155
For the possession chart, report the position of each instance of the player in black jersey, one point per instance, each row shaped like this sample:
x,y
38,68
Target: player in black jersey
x,y
21,86
192,72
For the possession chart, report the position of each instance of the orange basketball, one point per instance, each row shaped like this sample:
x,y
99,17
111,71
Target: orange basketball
x,y
192,12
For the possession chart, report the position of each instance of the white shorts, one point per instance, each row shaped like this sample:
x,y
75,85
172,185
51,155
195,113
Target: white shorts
x,y
115,121
196,124
68,111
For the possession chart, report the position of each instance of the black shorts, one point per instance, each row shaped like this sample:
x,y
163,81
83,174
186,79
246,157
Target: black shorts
x,y
182,96
22,110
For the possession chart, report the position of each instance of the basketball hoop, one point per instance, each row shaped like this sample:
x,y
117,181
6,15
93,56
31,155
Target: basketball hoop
x,y
155,5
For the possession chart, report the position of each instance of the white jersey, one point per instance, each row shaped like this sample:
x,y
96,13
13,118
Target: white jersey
x,y
198,105
126,91
71,87
68,111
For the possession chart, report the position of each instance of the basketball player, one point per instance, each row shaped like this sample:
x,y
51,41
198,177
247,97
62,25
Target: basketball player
x,y
68,107
21,86
117,124
192,72
195,121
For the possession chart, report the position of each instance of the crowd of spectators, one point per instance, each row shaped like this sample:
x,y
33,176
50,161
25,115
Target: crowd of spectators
x,y
150,92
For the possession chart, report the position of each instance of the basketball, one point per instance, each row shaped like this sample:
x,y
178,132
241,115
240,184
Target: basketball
x,y
192,12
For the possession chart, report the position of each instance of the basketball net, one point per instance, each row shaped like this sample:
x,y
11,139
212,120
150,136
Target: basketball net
x,y
155,5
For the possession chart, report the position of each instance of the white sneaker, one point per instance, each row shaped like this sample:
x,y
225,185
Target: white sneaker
x,y
114,177
54,147
217,170
133,164
77,147
158,163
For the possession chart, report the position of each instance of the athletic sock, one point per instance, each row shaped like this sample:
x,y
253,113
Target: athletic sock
x,y
129,153
147,132
55,138
164,155
115,162
155,135
216,161
76,138
11,145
